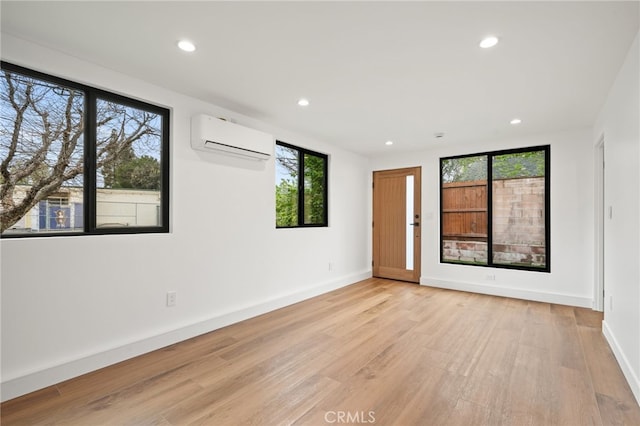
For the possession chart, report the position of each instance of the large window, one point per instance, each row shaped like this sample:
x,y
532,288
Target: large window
x,y
78,160
495,209
301,187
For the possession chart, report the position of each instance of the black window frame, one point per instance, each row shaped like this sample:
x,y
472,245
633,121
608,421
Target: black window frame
x,y
92,95
547,208
325,214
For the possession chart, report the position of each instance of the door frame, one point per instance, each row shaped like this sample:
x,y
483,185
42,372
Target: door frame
x,y
599,165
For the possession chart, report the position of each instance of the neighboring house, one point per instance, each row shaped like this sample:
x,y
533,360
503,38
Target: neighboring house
x,y
64,210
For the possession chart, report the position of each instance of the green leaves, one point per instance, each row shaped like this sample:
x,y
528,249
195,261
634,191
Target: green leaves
x,y
138,173
464,169
287,203
507,166
519,165
300,187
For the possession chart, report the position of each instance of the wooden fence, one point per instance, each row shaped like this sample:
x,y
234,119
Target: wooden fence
x,y
464,210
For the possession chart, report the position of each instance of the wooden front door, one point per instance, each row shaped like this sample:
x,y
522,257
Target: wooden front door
x,y
396,224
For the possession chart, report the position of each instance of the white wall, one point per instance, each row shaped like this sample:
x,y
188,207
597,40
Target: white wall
x,y
75,304
619,124
571,278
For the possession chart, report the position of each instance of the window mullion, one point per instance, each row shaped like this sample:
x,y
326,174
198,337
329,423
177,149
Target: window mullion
x,y
90,163
325,170
300,188
489,210
547,207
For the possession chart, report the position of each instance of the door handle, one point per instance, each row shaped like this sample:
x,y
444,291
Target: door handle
x,y
415,224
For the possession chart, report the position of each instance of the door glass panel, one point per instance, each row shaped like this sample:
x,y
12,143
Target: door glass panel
x,y
409,213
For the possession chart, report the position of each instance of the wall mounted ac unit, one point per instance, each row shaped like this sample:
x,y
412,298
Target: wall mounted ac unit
x,y
216,135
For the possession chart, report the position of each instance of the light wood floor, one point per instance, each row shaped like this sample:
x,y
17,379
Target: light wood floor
x,y
378,351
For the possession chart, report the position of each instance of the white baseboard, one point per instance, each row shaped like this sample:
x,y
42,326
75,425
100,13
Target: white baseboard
x,y
560,299
27,383
628,372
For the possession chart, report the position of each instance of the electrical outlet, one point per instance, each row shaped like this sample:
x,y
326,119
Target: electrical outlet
x,y
330,266
171,298
491,277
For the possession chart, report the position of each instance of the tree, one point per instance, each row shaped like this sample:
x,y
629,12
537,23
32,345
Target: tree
x,y
138,173
42,129
287,163
314,181
289,173
287,203
518,165
464,169
114,162
506,166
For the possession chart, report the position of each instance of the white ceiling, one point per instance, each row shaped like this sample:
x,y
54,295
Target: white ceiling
x,y
373,71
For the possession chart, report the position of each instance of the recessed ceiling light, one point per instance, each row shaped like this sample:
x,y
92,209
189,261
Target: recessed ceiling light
x,y
303,102
388,143
186,45
488,42
516,121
